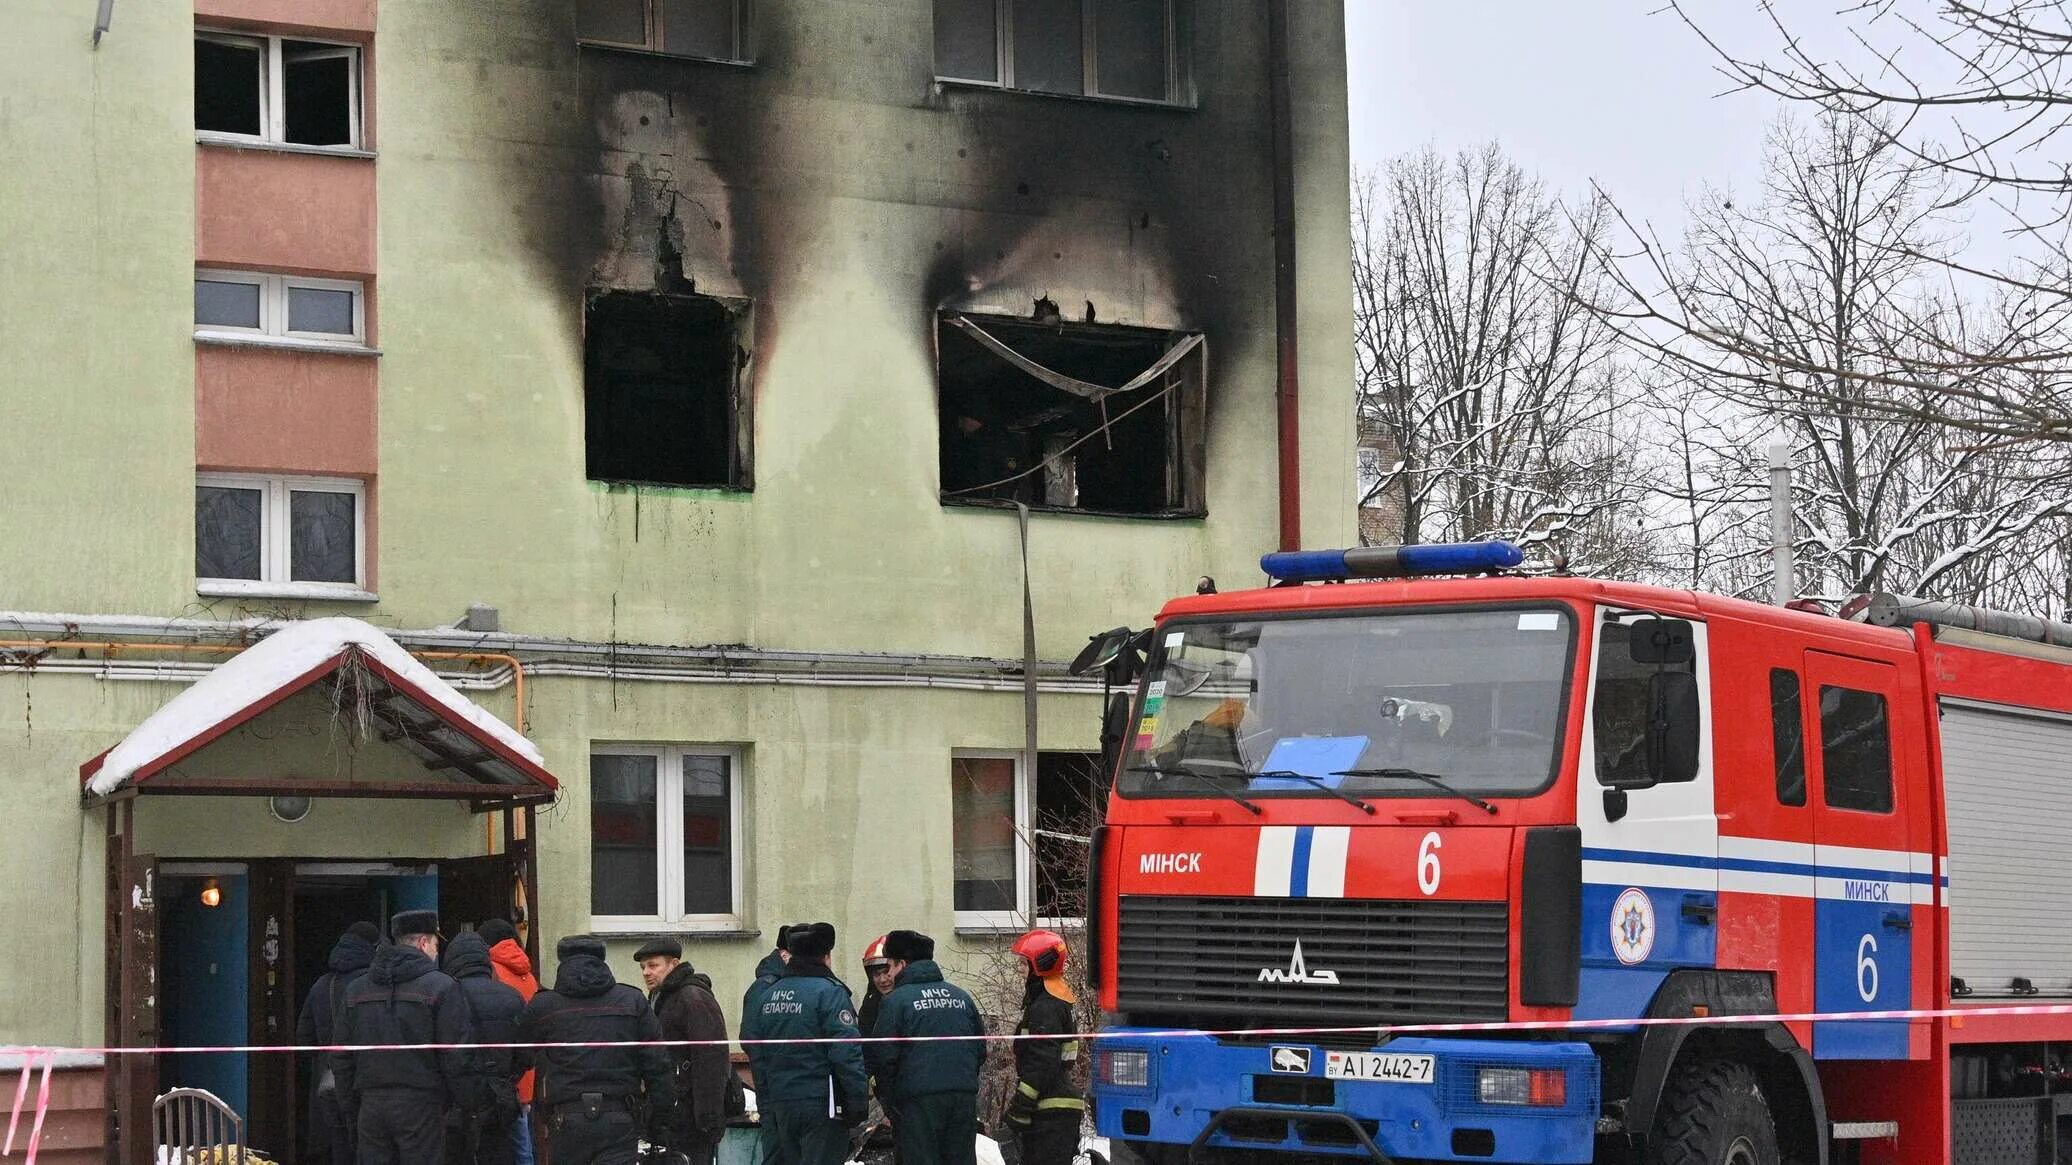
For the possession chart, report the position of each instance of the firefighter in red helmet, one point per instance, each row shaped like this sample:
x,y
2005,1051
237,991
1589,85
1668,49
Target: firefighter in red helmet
x,y
1047,1107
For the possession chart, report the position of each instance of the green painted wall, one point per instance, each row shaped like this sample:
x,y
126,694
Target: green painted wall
x,y
836,186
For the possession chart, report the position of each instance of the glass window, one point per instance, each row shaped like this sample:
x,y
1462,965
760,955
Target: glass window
x,y
1130,48
1620,717
229,83
708,834
967,44
698,28
317,94
665,836
324,536
714,30
1049,46
321,309
1787,736
624,838
227,532
1855,750
612,21
983,836
220,303
1375,705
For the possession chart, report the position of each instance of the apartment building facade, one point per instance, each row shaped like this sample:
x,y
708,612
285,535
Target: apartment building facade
x,y
694,386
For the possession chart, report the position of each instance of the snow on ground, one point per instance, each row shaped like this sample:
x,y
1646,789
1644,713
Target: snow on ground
x,y
293,651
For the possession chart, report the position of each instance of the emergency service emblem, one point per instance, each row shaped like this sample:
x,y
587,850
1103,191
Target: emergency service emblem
x,y
1293,1061
1633,926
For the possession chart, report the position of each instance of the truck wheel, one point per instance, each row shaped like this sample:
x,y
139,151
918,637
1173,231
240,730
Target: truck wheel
x,y
1713,1113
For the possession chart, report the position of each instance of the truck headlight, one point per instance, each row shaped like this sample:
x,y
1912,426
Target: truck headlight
x,y
1126,1067
1531,1087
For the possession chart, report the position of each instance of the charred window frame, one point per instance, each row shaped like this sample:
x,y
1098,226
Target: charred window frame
x,y
665,390
1115,50
703,30
1071,418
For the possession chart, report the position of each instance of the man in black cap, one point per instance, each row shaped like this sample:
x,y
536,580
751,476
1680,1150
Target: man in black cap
x,y
318,1025
928,1085
398,1099
683,1002
767,972
808,1094
592,1098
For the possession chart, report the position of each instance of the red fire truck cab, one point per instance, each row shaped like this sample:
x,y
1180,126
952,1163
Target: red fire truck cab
x,y
1344,804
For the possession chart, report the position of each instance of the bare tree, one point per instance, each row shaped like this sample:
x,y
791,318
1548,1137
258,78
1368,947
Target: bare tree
x,y
1976,95
1831,276
1489,395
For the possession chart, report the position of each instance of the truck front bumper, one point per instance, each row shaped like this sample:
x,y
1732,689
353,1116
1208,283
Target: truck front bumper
x,y
1184,1089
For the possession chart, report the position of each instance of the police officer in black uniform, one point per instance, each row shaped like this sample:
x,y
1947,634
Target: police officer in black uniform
x,y
398,1099
929,1085
594,1100
808,1094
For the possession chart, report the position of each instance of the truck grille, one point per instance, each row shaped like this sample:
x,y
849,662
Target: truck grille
x,y
1395,961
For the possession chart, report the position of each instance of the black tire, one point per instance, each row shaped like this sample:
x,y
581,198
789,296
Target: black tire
x,y
1713,1113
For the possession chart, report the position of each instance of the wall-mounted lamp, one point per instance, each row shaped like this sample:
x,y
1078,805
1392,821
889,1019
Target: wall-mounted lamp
x,y
288,808
211,894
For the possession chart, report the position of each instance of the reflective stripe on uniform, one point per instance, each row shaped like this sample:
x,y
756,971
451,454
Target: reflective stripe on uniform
x,y
1060,1102
1029,1090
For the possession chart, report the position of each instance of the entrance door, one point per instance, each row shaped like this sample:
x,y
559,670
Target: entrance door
x,y
1865,852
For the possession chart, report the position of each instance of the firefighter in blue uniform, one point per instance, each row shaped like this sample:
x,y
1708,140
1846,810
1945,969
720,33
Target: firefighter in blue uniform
x,y
809,1094
1047,1107
929,1087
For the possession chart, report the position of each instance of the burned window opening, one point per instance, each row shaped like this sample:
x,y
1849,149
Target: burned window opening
x,y
663,393
1070,417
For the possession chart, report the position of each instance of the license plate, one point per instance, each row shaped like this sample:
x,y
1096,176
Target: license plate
x,y
1387,1067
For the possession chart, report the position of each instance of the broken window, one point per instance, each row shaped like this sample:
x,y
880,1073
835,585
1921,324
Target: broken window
x,y
1071,799
1062,416
713,30
662,389
1127,49
273,89
1019,851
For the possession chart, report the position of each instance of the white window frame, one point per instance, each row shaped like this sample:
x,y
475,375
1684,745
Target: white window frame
x,y
651,42
273,308
276,535
1089,56
273,104
1024,854
669,866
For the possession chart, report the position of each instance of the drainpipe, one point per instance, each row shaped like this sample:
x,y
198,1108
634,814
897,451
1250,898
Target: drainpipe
x,y
1287,386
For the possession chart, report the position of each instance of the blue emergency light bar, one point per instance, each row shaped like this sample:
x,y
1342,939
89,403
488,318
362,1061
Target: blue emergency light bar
x,y
1295,566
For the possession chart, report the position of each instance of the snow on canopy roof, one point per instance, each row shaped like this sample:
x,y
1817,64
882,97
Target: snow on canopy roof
x,y
293,653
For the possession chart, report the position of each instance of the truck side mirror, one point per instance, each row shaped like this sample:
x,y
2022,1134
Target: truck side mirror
x,y
1664,642
1672,727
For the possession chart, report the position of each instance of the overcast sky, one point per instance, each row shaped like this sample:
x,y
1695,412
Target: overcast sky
x,y
1574,90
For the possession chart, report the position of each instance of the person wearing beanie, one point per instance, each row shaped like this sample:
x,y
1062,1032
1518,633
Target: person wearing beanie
x,y
592,1097
929,1086
480,1134
398,1100
767,972
684,1004
328,1132
809,1094
513,968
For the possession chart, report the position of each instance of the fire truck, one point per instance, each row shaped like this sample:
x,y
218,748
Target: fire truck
x,y
1581,828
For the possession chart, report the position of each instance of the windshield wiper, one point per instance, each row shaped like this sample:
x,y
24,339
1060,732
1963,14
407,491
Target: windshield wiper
x,y
1432,779
1208,776
1321,783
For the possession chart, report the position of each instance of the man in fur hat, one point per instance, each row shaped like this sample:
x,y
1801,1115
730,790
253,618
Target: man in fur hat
x,y
930,1084
809,1094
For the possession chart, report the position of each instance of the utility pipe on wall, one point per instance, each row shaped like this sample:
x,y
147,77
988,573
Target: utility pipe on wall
x,y
1287,384
1784,586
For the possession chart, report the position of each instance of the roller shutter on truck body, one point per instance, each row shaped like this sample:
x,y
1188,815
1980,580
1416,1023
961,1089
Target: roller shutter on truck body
x,y
2007,775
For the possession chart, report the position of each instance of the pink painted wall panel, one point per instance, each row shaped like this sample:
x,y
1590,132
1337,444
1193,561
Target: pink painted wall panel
x,y
300,213
291,15
265,410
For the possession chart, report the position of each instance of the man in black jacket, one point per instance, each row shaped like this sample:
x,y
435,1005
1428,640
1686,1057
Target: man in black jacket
x,y
330,1137
591,1098
928,1081
683,1002
398,1099
481,1134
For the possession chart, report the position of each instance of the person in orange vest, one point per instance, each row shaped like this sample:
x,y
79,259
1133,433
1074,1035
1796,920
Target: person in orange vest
x,y
508,961
1046,1109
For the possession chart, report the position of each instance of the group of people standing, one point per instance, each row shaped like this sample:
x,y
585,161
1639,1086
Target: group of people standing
x,y
613,1067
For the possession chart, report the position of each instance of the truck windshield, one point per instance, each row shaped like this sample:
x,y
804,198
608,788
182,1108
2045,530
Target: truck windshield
x,y
1363,704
